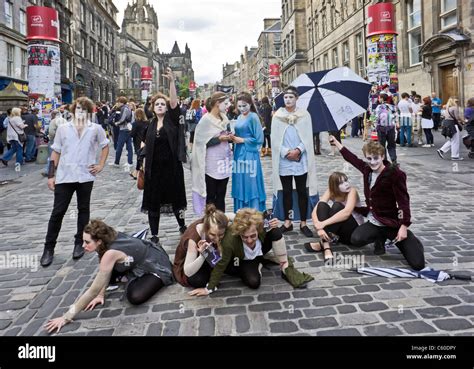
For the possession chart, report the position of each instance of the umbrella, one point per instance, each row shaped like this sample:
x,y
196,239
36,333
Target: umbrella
x,y
332,97
426,273
141,234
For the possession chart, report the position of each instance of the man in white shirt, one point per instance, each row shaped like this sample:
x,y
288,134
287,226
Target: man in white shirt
x,y
416,106
76,147
405,122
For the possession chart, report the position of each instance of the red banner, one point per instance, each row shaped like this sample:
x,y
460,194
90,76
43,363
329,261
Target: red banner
x,y
381,19
251,84
274,70
192,86
42,23
147,73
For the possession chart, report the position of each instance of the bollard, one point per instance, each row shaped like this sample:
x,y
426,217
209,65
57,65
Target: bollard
x,y
43,154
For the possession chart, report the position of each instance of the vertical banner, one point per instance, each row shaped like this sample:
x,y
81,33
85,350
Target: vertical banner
x,y
146,81
44,69
382,67
251,84
275,79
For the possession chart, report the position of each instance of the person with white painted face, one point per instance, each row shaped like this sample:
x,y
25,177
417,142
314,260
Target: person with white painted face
x,y
73,168
248,189
293,160
211,160
387,204
335,216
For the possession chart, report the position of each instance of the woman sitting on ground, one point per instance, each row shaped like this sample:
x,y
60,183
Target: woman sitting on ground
x,y
190,267
334,217
146,265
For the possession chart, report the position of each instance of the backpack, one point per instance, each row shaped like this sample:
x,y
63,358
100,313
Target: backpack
x,y
191,116
384,116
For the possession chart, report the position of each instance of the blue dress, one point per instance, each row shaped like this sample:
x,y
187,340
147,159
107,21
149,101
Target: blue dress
x,y
248,189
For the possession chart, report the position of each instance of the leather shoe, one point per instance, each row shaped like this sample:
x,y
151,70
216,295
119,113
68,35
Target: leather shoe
x,y
78,252
47,257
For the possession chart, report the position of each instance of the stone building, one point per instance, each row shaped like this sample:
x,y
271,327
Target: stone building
x,y
231,75
94,30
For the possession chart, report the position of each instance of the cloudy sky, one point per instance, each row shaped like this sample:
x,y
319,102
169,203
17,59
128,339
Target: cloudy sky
x,y
216,31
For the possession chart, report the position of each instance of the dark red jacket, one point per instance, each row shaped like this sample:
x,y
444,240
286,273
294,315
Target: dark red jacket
x,y
388,200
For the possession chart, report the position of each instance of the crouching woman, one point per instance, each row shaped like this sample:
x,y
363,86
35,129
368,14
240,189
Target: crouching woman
x,y
146,265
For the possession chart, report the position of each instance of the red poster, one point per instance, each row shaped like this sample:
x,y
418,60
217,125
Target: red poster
x,y
42,23
381,19
192,86
251,84
147,73
274,70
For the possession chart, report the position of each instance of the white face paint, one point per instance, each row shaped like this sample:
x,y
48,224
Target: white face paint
x,y
224,105
345,187
243,107
80,113
374,161
290,100
160,107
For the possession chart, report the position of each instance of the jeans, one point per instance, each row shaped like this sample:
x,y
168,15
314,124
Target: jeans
x,y
30,147
15,149
387,138
62,198
124,138
115,135
405,130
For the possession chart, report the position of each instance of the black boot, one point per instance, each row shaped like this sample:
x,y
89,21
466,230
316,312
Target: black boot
x,y
317,149
78,252
47,257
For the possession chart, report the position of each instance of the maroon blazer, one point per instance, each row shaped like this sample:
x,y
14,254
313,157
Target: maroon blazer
x,y
388,199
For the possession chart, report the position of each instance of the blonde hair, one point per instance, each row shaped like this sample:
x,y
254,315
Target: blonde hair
x,y
16,112
246,218
451,102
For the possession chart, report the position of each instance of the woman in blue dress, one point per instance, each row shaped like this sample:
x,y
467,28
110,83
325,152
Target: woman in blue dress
x,y
248,189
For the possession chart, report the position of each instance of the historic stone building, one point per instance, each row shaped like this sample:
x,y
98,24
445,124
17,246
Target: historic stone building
x,y
231,75
138,47
94,31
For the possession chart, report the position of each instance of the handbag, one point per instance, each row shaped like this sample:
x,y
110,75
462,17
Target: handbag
x,y
141,179
21,136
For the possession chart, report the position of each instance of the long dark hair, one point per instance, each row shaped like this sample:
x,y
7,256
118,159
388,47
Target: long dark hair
x,y
101,231
245,96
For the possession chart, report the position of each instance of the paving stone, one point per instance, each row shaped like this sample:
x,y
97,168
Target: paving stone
x,y
273,297
224,326
342,291
48,307
296,304
347,282
357,298
317,323
55,283
12,332
230,310
101,333
240,300
452,324
395,316
327,311
177,315
242,323
442,301
154,329
346,309
464,310
283,327
382,330
136,310
15,305
326,301
39,300
32,328
309,293
417,327
204,312
358,319
285,315
165,307
339,332
110,313
265,307
373,306
25,317
4,324
396,286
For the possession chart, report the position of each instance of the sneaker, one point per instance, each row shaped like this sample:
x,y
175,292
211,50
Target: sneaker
x,y
457,159
306,231
427,145
4,162
283,229
432,145
440,153
420,142
114,165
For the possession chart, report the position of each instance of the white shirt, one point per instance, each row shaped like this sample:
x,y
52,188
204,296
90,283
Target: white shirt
x,y
252,254
404,106
78,154
370,216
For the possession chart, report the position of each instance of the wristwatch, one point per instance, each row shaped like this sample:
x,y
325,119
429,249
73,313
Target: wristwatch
x,y
209,291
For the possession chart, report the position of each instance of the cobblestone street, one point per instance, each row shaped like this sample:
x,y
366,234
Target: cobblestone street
x,y
338,302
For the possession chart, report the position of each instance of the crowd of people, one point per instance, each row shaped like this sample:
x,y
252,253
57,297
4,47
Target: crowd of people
x,y
220,139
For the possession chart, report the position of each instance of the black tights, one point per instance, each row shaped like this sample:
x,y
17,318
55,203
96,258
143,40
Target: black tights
x,y
267,142
154,221
216,190
411,247
342,229
287,184
141,289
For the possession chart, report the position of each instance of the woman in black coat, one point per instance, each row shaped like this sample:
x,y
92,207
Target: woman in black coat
x,y
165,151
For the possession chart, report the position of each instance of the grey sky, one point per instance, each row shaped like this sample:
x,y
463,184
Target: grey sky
x,y
216,30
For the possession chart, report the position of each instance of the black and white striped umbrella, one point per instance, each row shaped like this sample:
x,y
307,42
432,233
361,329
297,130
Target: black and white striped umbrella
x,y
141,234
426,273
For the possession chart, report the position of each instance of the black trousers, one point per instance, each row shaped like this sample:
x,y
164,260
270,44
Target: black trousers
x,y
154,221
216,190
343,229
62,198
429,136
411,247
436,120
387,139
287,184
267,142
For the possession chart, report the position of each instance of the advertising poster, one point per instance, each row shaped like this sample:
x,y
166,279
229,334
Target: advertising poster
x,y
43,69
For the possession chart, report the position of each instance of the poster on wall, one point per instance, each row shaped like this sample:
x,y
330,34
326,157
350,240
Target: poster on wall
x,y
44,70
382,67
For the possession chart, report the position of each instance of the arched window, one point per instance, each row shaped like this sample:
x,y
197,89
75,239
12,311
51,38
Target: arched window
x,y
136,69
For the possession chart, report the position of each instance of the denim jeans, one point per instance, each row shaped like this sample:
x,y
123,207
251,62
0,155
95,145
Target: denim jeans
x,y
30,147
124,138
407,130
15,149
49,157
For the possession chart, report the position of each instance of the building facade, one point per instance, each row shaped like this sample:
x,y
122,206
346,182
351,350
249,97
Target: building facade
x,y
295,46
231,75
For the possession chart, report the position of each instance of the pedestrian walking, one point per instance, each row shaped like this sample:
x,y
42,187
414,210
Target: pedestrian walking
x,y
436,108
266,112
15,137
405,119
387,205
73,168
244,247
211,160
31,120
146,266
385,125
427,121
248,190
335,217
165,148
125,126
416,106
193,116
452,127
292,136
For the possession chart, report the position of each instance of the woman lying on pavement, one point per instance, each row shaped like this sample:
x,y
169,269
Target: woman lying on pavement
x,y
244,245
388,204
190,267
334,216
146,265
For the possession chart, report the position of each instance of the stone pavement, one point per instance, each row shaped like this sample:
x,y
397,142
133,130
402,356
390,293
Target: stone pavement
x,y
337,302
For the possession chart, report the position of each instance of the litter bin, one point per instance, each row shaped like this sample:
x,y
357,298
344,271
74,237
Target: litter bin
x,y
42,157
